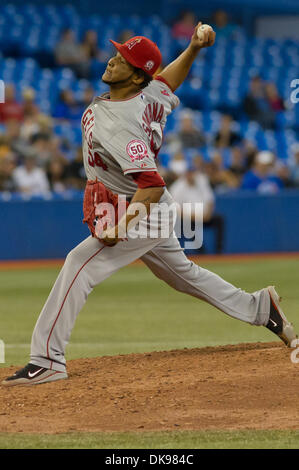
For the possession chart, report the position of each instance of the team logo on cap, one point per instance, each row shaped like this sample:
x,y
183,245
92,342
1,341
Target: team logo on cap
x,y
133,43
149,65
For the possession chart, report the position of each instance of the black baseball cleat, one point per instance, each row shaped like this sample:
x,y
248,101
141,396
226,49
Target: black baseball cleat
x,y
33,375
278,322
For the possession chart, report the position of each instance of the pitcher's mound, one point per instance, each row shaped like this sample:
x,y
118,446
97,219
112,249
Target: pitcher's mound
x,y
247,386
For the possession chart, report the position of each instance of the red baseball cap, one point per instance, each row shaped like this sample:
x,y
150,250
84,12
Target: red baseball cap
x,y
140,52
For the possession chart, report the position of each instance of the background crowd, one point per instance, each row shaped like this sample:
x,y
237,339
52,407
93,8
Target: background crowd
x,y
204,148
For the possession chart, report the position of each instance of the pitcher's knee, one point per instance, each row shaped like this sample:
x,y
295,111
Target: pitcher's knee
x,y
74,257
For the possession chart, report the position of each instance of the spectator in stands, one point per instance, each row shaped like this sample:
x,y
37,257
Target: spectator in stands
x,y
257,106
237,167
188,136
33,118
178,164
221,179
47,148
221,25
90,47
194,187
29,127
294,166
68,108
41,146
16,142
75,173
4,146
275,101
250,150
68,53
56,173
40,123
30,109
7,167
262,177
226,136
29,179
198,163
11,109
184,27
282,171
88,96
214,170
45,123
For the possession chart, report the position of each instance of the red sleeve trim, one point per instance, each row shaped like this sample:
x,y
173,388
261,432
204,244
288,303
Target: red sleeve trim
x,y
148,179
162,79
134,170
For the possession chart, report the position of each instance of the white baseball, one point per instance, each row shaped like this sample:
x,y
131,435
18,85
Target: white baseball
x,y
202,29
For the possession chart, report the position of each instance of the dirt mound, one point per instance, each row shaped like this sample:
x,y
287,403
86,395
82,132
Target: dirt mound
x,y
248,386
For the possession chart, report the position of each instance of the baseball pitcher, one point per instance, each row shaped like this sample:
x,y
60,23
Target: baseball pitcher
x,y
122,133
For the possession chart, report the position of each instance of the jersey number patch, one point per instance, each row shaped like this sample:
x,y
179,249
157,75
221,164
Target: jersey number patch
x,y
96,160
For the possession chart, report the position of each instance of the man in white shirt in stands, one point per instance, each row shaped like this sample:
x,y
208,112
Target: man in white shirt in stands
x,y
30,179
194,186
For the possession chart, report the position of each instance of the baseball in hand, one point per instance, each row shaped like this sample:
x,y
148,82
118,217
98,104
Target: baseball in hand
x,y
202,29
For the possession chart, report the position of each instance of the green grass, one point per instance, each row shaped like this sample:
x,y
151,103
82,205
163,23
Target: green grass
x,y
155,440
135,312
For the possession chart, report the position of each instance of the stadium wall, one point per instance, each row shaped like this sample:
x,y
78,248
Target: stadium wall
x,y
45,229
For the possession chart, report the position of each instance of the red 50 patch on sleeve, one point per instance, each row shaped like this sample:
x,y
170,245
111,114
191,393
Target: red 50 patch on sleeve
x,y
137,150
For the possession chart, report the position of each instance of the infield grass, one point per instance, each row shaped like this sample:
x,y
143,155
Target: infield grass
x,y
135,312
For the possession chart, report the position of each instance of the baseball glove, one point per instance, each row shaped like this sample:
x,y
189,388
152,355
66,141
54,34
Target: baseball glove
x,y
101,207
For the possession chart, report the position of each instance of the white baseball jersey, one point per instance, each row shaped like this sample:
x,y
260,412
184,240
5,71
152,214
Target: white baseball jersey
x,y
121,137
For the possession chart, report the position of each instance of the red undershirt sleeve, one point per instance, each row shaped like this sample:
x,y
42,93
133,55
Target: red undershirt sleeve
x,y
162,79
148,179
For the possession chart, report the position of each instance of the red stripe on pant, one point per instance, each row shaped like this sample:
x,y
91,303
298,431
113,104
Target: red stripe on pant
x,y
60,310
40,380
